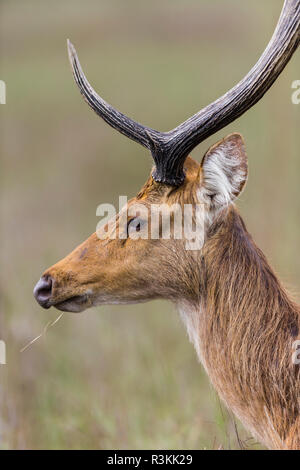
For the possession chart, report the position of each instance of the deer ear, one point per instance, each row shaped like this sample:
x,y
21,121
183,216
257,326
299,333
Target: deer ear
x,y
224,171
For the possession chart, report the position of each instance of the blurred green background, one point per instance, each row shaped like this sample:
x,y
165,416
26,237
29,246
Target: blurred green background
x,y
123,376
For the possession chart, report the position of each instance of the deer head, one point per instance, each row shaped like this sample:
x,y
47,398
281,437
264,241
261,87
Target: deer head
x,y
125,269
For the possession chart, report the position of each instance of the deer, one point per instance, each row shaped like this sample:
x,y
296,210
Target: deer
x,y
241,320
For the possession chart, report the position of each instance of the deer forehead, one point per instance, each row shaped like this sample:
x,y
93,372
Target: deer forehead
x,y
156,193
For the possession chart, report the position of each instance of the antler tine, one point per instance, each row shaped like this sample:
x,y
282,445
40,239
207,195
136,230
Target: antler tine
x,y
112,116
246,93
150,138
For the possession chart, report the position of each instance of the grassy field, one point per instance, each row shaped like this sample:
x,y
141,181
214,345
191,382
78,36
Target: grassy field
x,y
123,377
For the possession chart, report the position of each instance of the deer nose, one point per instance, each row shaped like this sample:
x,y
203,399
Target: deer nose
x,y
43,290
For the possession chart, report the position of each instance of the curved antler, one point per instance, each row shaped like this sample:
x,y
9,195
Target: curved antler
x,y
170,149
114,118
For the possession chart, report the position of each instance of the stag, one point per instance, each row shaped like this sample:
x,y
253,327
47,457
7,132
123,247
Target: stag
x,y
241,320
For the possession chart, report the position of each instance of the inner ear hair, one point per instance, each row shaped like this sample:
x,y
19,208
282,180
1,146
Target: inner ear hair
x,y
225,170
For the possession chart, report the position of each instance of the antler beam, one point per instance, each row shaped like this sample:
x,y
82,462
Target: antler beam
x,y
170,149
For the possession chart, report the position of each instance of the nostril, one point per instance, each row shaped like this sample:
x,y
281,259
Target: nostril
x,y
43,290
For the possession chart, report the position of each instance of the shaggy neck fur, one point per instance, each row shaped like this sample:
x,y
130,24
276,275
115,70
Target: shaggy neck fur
x,y
243,330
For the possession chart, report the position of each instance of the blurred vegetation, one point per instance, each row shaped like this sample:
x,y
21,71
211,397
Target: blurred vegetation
x,y
123,377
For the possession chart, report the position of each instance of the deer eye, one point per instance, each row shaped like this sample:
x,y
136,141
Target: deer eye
x,y
134,225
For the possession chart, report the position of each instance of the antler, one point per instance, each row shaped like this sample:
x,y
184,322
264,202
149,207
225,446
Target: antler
x,y
170,149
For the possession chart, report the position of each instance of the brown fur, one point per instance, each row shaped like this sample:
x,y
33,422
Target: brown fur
x,y
246,334
241,319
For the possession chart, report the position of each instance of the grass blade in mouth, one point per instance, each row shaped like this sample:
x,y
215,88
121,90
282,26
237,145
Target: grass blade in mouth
x,y
49,325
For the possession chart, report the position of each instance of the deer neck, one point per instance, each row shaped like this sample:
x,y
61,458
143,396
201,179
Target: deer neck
x,y
243,327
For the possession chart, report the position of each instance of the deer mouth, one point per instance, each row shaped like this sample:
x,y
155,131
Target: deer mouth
x,y
74,304
43,293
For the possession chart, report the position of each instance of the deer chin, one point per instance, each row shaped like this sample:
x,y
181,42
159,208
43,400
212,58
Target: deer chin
x,y
75,304
79,303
